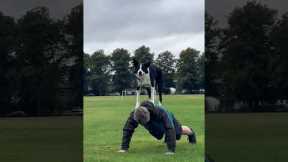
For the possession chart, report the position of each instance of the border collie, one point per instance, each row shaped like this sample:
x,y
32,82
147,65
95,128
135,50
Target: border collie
x,y
149,77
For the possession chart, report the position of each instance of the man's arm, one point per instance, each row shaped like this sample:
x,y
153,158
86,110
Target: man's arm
x,y
128,131
171,139
170,134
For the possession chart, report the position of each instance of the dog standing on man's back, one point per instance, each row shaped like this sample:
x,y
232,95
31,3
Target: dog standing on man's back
x,y
150,77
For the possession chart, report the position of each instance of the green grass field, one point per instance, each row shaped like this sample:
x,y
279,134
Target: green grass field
x,y
247,137
251,137
41,139
104,118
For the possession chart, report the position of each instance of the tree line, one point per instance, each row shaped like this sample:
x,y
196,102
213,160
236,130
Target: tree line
x,y
40,62
107,74
247,61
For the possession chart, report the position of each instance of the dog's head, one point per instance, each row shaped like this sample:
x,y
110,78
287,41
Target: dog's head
x,y
140,69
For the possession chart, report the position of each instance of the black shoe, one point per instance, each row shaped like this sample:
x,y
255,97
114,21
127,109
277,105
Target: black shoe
x,y
192,138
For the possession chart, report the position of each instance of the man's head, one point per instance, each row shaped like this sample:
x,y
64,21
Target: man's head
x,y
142,115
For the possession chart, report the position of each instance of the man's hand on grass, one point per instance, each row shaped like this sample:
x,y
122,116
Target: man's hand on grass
x,y
122,151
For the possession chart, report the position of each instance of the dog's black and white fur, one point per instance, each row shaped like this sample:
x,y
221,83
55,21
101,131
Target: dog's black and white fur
x,y
144,72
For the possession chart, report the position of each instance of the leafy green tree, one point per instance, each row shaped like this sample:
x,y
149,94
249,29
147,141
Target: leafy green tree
x,y
86,71
73,30
38,39
188,70
86,61
166,62
212,52
38,53
99,77
247,54
38,33
279,37
8,75
122,76
143,54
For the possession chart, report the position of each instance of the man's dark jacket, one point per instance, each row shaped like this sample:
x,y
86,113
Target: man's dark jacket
x,y
161,122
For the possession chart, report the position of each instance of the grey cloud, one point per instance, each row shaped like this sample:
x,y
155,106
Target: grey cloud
x,y
108,21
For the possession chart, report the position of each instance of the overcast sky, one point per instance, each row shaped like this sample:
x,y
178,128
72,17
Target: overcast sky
x,y
162,25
